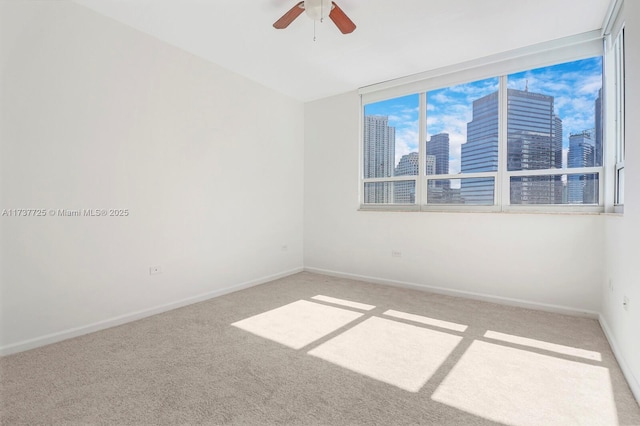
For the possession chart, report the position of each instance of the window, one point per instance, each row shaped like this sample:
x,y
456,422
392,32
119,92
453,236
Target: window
x,y
617,52
554,121
390,155
524,140
462,140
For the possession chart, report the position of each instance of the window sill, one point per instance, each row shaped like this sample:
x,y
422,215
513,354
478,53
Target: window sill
x,y
558,210
613,214
388,208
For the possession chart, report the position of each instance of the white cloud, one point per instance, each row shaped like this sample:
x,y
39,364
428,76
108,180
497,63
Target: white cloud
x,y
590,85
406,139
439,97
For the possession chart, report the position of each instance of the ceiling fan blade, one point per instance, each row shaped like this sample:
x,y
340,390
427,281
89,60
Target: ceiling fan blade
x,y
342,21
289,17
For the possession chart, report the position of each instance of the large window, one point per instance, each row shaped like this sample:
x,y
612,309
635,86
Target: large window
x,y
617,52
525,140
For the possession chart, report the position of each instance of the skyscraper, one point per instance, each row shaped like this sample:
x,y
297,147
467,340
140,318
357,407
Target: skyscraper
x,y
534,136
598,135
408,165
558,184
557,141
582,189
431,168
530,127
480,152
438,146
534,143
379,157
405,192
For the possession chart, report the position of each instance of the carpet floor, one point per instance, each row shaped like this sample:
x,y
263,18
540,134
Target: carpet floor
x,y
310,349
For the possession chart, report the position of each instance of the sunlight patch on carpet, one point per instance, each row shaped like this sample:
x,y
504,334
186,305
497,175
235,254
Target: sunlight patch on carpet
x,y
520,387
540,344
426,320
297,324
343,302
399,354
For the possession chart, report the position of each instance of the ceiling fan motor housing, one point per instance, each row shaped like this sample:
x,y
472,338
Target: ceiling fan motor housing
x,y
317,9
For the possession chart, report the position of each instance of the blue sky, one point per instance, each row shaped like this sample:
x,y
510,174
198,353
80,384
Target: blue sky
x,y
574,86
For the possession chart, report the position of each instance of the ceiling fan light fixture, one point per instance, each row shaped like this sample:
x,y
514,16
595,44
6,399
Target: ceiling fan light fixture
x,y
318,9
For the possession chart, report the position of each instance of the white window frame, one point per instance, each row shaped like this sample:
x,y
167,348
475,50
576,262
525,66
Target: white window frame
x,y
613,106
559,51
619,78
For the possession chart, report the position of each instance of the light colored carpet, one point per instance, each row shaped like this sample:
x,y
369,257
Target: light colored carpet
x,y
311,349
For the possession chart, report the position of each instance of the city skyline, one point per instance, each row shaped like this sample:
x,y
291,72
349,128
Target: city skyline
x,y
574,86
536,135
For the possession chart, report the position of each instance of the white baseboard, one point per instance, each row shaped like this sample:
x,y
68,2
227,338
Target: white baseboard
x,y
462,293
626,371
133,316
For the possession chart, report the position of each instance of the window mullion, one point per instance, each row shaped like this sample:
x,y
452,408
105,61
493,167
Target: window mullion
x,y
421,185
502,181
619,76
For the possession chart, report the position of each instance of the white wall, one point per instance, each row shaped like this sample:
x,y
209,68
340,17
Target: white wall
x,y
98,115
537,258
623,232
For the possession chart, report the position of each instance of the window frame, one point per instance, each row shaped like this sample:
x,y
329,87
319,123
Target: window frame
x,y
613,106
545,54
618,52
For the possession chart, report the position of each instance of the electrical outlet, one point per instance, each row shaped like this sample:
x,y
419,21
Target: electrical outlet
x,y
154,270
625,303
396,253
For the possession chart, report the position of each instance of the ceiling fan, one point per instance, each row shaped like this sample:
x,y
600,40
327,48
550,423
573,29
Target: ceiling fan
x,y
317,10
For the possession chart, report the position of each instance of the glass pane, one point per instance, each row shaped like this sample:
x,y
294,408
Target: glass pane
x,y
462,128
471,191
618,49
391,137
620,187
554,117
399,192
555,189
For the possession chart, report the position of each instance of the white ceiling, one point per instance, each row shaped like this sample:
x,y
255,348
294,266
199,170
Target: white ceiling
x,y
393,38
